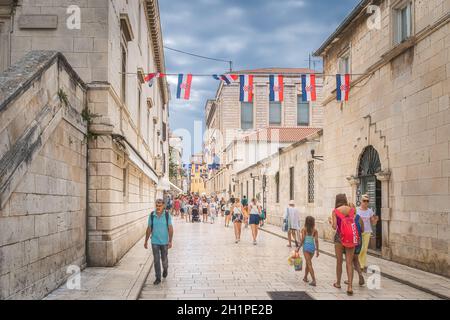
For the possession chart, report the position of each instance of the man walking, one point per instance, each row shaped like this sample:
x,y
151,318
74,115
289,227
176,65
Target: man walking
x,y
292,216
161,230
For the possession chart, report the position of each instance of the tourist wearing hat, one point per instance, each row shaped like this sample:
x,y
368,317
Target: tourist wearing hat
x,y
292,216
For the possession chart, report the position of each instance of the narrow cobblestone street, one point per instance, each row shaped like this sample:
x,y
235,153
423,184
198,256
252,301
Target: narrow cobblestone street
x,y
205,263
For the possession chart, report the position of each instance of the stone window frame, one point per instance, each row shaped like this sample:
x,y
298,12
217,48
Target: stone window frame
x,y
125,182
253,115
299,99
311,182
396,6
280,103
292,183
347,53
139,108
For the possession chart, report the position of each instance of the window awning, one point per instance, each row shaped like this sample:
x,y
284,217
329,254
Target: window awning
x,y
174,187
140,163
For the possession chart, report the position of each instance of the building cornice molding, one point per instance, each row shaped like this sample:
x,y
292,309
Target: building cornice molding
x,y
154,22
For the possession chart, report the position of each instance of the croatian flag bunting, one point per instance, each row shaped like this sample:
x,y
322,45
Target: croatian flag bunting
x,y
276,88
308,87
246,88
184,86
227,78
152,76
342,87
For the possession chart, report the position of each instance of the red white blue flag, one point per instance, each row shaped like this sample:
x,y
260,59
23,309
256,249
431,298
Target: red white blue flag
x,y
227,78
246,88
184,86
276,88
342,87
152,76
308,87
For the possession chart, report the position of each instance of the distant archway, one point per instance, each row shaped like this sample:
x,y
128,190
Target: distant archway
x,y
369,166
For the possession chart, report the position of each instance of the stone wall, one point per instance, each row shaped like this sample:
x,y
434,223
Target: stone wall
x,y
403,111
94,50
296,155
43,175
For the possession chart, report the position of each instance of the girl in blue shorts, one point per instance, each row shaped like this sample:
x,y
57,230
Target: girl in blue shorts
x,y
310,243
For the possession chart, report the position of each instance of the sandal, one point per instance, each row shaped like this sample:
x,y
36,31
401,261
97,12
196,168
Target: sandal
x,y
349,292
336,286
313,284
361,280
305,280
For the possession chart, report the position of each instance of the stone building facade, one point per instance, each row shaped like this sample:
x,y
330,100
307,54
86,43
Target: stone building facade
x,y
229,123
117,43
392,138
294,173
43,161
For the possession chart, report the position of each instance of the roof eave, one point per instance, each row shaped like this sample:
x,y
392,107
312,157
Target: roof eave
x,y
154,21
344,24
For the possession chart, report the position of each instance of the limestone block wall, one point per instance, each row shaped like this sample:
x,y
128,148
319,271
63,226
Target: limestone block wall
x,y
43,170
86,48
120,199
403,111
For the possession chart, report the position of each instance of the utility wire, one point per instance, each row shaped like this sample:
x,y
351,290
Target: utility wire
x,y
200,56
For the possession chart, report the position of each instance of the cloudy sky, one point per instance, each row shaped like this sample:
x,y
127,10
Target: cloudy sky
x,y
251,33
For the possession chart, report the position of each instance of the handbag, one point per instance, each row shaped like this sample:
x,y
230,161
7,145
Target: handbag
x,y
284,228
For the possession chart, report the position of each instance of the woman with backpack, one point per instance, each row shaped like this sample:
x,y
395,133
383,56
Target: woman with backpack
x,y
345,239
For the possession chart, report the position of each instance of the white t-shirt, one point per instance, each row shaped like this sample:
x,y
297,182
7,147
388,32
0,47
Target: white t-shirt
x,y
365,216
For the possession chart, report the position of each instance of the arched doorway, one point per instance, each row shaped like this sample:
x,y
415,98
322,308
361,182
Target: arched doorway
x,y
369,166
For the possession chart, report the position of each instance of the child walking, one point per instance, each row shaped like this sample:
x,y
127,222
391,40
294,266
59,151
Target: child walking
x,y
310,243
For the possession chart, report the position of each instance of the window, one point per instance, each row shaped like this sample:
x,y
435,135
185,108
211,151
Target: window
x,y
302,112
246,115
254,190
242,189
344,63
139,98
147,138
125,183
247,190
123,87
291,183
311,181
277,185
164,129
275,113
139,24
402,22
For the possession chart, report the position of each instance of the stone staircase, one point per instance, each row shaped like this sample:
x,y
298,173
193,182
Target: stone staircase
x,y
43,152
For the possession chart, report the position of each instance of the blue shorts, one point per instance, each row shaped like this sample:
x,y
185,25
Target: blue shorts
x,y
254,219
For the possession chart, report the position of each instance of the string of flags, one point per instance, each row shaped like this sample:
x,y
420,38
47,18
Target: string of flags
x,y
246,86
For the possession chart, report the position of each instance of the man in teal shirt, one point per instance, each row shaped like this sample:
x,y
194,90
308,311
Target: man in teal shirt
x,y
161,230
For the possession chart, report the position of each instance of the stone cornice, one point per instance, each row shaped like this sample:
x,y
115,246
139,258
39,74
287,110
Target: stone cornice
x,y
154,22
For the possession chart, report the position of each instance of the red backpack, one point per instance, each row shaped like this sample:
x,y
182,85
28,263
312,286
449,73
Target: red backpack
x,y
348,229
